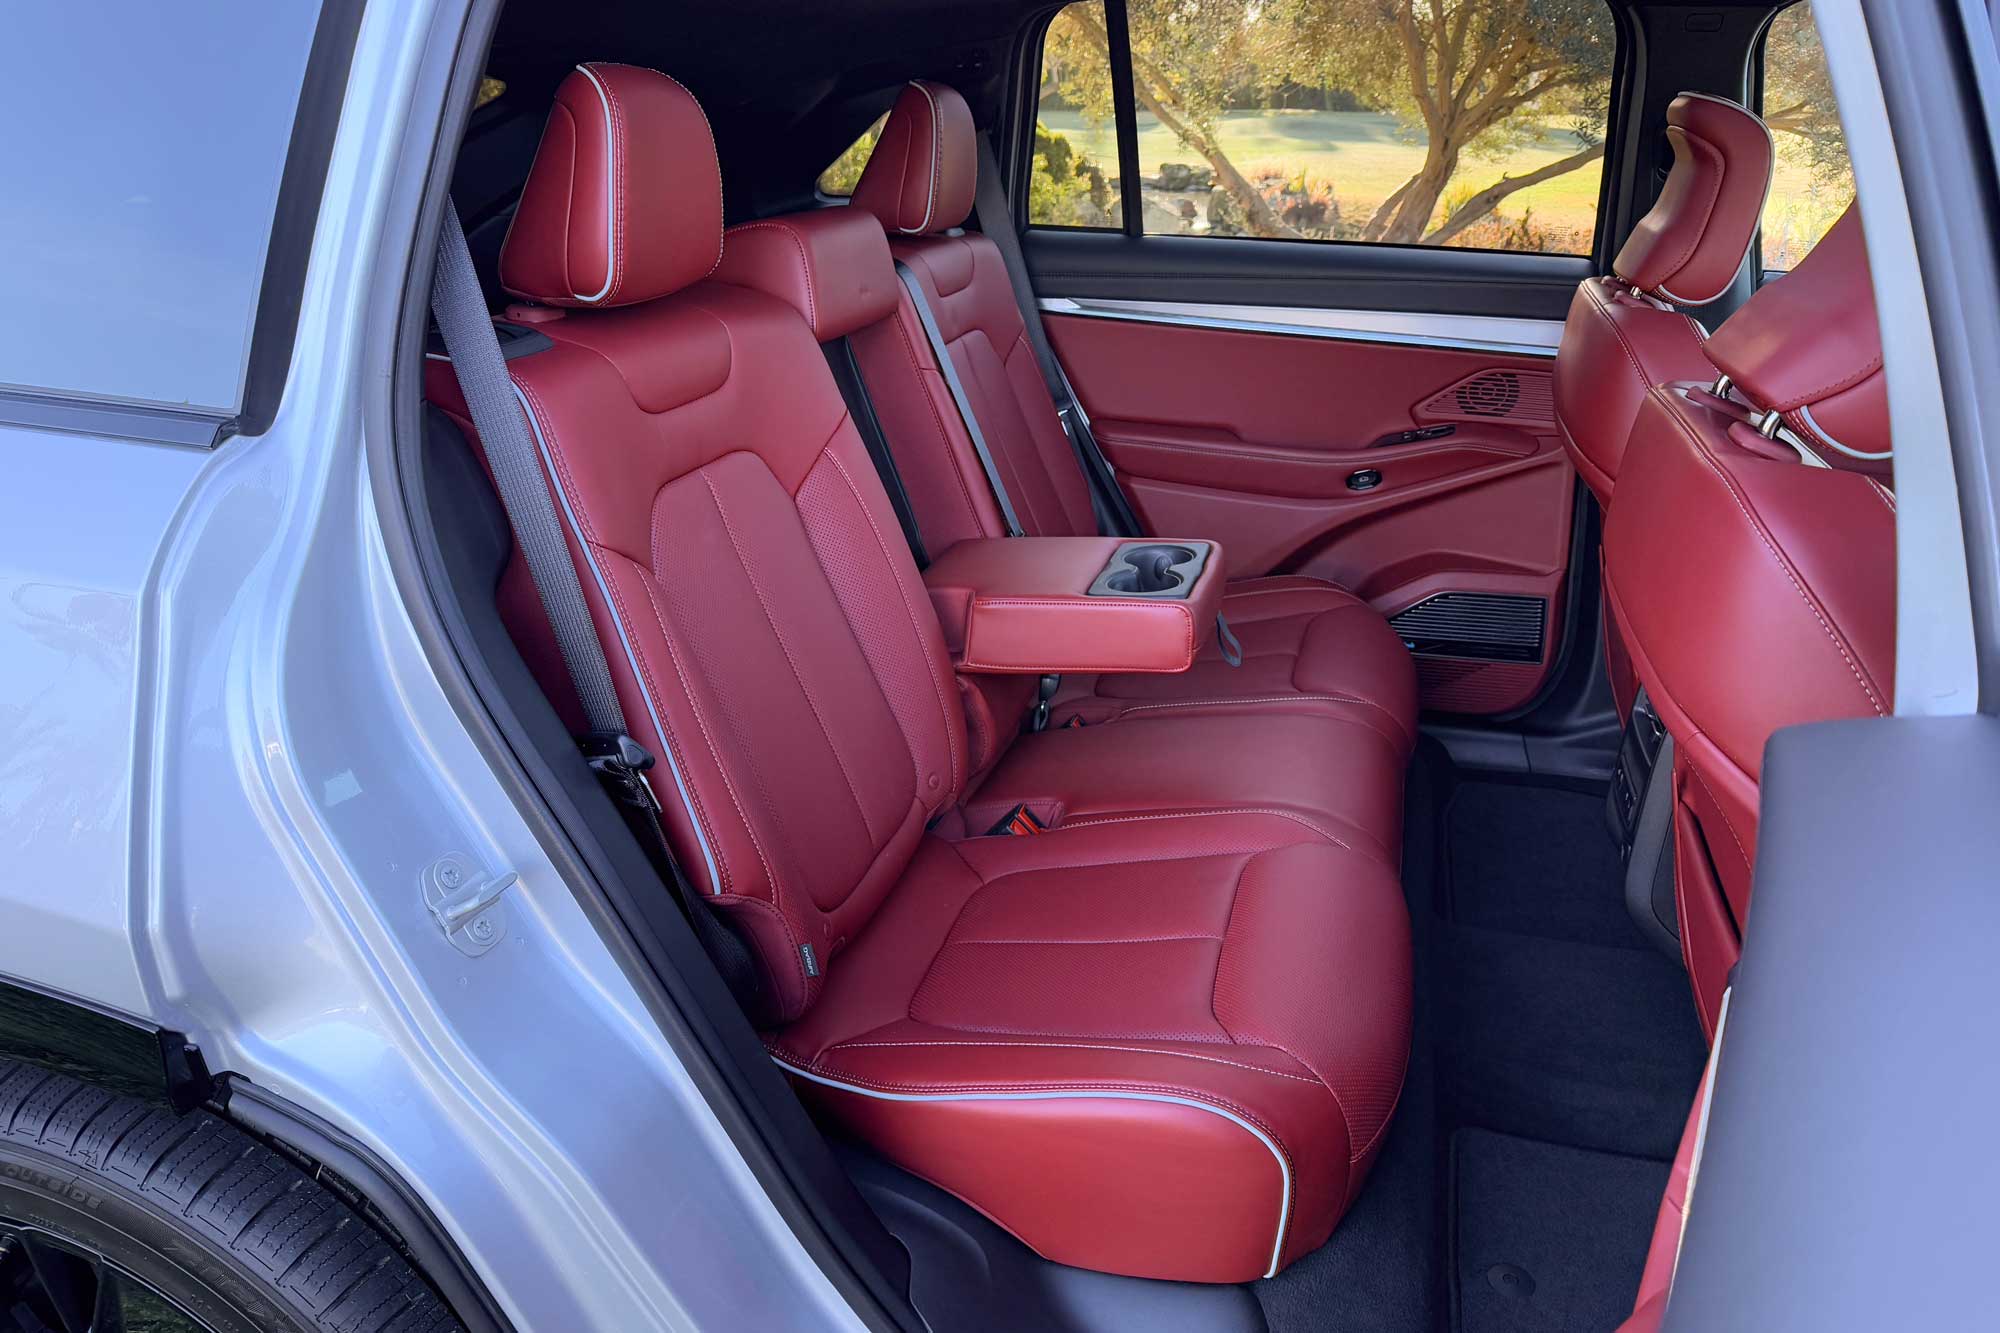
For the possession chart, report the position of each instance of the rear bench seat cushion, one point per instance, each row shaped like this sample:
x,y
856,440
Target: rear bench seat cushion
x,y
1169,1050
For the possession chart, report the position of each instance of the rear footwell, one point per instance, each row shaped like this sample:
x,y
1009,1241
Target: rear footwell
x,y
1555,1056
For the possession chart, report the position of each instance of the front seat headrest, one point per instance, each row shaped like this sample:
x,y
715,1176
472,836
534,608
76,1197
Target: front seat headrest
x,y
1689,247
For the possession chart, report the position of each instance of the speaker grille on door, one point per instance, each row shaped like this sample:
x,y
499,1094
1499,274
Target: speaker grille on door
x,y
1487,627
1519,397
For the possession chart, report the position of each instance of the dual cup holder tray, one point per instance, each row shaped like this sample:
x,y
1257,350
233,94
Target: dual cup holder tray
x,y
1159,571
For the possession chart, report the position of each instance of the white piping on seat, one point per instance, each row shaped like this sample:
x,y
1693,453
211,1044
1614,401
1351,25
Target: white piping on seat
x,y
1805,411
624,642
1284,1167
610,195
937,161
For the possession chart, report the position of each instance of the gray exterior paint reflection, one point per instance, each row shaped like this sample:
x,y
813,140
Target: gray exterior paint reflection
x,y
225,765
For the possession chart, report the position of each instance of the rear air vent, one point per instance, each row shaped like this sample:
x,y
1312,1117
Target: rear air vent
x,y
1524,398
1487,627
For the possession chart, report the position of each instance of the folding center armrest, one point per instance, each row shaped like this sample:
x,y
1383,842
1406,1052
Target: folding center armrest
x,y
1039,605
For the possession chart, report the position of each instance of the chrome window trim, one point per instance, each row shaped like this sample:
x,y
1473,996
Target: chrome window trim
x,y
1465,333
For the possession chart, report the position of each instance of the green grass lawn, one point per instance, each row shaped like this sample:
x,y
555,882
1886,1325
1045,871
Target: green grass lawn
x,y
1366,155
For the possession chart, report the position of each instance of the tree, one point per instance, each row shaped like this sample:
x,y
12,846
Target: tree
x,y
1798,94
1186,57
1476,76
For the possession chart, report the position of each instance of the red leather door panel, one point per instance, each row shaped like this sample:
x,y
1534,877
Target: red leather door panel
x,y
1251,438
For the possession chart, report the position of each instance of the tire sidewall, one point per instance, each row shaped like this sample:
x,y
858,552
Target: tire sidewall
x,y
164,1252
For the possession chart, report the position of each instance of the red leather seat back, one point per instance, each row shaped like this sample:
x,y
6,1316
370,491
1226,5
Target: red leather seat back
x,y
1754,590
773,642
920,183
1624,335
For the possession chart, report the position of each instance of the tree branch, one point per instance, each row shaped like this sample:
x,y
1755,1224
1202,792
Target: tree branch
x,y
1480,205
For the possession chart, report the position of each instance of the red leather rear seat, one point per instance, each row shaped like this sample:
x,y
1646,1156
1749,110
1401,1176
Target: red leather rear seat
x,y
1340,771
1163,1045
1301,637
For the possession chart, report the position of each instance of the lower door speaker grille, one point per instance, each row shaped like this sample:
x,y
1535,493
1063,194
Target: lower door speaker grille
x,y
1483,626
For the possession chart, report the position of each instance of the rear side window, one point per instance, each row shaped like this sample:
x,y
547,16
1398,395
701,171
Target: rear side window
x,y
1478,124
1813,183
143,160
1074,181
841,174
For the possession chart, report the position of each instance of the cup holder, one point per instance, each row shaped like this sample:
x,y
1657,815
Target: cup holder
x,y
1152,569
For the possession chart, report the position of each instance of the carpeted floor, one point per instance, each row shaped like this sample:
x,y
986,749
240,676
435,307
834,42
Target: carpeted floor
x,y
1555,1056
1547,1237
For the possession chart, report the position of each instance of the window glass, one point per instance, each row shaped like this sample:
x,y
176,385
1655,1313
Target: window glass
x,y
1812,184
1075,178
1475,123
140,200
841,174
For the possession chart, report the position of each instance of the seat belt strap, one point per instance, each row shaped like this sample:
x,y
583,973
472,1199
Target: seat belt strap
x,y
459,308
846,369
996,223
942,354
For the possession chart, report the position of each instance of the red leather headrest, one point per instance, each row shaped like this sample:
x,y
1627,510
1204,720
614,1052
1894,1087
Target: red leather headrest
x,y
1808,345
832,265
921,176
1689,247
624,202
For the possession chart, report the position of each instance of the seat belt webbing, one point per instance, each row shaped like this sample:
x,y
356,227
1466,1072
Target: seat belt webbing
x,y
996,223
840,359
942,355
459,307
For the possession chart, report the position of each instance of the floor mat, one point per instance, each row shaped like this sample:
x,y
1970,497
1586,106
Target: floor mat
x,y
1537,861
1555,1053
1547,1238
1574,1043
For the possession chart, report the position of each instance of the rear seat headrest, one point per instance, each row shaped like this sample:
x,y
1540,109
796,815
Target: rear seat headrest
x,y
1689,247
832,265
1808,346
921,176
624,201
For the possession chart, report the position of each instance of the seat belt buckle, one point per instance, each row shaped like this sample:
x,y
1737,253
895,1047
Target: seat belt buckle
x,y
621,763
1038,720
1020,822
1226,641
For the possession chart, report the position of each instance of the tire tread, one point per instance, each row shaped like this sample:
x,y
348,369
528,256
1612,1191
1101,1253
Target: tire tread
x,y
317,1255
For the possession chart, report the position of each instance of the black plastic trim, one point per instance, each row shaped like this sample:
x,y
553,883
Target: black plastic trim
x,y
300,189
144,423
1118,31
1330,275
428,1245
119,1051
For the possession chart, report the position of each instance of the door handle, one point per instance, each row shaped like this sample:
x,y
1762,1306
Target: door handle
x,y
1413,436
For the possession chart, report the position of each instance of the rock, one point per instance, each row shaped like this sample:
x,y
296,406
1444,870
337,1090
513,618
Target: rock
x,y
1176,176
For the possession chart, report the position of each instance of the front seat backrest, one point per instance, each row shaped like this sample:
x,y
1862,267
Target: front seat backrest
x,y
1756,586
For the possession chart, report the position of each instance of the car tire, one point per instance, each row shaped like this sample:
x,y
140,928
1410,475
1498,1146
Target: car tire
x,y
212,1220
